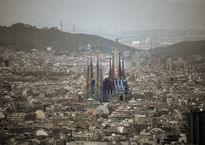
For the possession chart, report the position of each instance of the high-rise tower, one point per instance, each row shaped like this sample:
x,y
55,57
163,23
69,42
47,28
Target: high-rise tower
x,y
196,129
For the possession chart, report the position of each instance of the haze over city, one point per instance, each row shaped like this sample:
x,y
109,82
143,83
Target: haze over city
x,y
106,14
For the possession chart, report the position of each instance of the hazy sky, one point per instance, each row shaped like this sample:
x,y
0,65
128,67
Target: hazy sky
x,y
110,14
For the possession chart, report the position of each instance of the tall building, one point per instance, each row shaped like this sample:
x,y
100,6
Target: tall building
x,y
196,129
115,85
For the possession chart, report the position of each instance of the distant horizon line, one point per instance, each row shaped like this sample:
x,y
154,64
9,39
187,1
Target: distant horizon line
x,y
102,29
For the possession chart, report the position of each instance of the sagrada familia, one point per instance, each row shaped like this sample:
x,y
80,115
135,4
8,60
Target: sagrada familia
x,y
103,89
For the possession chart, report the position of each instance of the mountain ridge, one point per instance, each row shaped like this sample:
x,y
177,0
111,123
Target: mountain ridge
x,y
182,49
26,37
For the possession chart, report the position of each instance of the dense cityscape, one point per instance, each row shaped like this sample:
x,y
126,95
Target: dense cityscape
x,y
43,100
102,72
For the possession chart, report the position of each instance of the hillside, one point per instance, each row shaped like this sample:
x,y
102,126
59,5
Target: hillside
x,y
182,49
26,37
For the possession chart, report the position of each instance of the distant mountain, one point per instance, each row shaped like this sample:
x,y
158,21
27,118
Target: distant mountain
x,y
158,37
182,49
26,37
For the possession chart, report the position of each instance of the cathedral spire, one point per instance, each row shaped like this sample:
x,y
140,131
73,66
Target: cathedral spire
x,y
97,70
100,79
113,64
91,74
110,72
123,69
119,68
